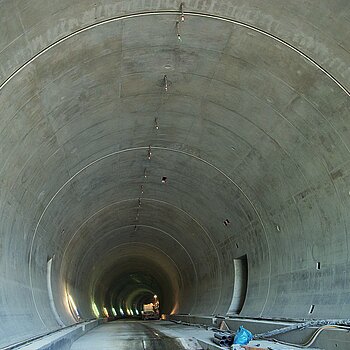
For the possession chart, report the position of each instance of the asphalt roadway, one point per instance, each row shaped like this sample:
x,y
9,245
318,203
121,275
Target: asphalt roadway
x,y
126,334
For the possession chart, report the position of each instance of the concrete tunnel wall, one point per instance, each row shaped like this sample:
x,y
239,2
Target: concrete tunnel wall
x,y
254,128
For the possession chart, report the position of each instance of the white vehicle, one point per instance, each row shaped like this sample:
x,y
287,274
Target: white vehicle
x,y
149,312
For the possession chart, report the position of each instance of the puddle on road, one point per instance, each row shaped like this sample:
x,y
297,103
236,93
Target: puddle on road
x,y
161,344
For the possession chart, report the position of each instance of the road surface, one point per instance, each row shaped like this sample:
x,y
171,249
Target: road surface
x,y
126,335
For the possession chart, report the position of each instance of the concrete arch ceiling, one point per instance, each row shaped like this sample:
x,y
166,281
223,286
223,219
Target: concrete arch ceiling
x,y
253,128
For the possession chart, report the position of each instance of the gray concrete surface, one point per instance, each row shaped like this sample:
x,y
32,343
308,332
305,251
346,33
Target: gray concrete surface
x,y
156,335
254,128
60,340
205,337
328,339
126,335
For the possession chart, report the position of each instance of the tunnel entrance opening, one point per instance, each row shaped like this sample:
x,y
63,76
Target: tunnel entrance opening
x,y
240,285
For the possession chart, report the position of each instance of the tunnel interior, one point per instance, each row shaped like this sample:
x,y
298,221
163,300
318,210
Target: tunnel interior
x,y
143,153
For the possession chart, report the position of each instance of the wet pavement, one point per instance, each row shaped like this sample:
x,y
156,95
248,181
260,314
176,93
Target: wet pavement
x,y
126,334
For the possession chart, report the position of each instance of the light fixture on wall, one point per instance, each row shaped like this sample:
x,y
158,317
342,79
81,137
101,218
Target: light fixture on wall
x,y
95,310
165,83
73,308
105,311
114,312
178,31
182,8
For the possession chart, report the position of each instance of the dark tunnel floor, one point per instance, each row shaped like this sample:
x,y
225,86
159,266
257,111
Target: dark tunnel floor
x,y
124,334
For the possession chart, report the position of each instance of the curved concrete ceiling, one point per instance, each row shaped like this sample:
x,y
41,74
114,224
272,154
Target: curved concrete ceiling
x,y
253,129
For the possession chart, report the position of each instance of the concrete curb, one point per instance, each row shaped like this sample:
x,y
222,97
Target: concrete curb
x,y
63,339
